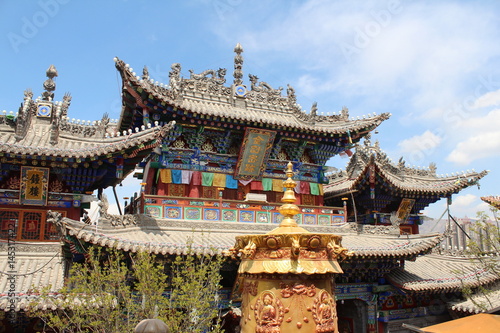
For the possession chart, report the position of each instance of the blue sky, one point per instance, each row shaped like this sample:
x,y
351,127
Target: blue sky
x,y
434,65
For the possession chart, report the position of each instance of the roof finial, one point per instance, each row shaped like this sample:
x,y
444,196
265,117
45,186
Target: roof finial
x,y
238,65
49,85
289,209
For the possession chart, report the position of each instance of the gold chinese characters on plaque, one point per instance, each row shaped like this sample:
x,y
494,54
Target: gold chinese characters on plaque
x,y
34,186
255,150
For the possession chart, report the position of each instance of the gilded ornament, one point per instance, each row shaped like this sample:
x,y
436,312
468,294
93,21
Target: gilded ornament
x,y
314,242
324,313
268,313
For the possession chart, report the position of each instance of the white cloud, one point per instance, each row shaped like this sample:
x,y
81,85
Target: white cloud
x,y
464,200
425,54
475,147
417,148
463,205
491,98
477,137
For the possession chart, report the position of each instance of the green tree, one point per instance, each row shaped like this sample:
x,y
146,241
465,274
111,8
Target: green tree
x,y
112,291
193,302
484,251
484,245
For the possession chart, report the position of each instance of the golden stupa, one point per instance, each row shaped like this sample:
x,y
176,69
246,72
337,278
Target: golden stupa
x,y
286,276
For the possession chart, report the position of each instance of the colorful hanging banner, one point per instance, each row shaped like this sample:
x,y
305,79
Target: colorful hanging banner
x,y
34,186
255,150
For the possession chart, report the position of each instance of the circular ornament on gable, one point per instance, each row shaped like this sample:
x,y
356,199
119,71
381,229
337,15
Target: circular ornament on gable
x,y
44,110
240,91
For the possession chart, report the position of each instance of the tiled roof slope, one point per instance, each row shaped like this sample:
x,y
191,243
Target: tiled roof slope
x,y
41,128
399,176
171,237
480,302
36,266
436,273
492,200
206,94
73,144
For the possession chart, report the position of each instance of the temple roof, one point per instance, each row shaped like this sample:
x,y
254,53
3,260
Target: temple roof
x,y
492,200
398,177
36,266
88,155
76,140
437,273
488,301
162,236
206,95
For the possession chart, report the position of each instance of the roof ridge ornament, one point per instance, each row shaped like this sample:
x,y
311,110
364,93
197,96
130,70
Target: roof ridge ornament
x,y
175,80
145,73
217,76
292,98
49,85
263,86
238,65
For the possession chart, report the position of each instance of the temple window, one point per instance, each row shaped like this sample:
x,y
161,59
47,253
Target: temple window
x,y
27,225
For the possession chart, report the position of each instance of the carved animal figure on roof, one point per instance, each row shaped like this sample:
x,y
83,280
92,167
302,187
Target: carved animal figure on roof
x,y
56,219
263,86
145,73
103,206
217,76
175,76
337,252
344,113
24,115
401,163
292,99
432,168
314,109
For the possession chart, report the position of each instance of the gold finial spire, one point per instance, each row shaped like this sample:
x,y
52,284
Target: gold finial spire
x,y
289,209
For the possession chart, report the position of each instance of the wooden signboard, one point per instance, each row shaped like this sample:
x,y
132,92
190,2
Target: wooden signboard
x,y
34,186
404,209
254,152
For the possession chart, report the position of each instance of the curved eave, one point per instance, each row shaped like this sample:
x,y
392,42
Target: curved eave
x,y
435,273
93,149
479,302
492,200
438,186
284,119
390,247
441,187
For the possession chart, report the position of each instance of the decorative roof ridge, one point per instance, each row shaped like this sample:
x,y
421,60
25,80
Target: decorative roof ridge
x,y
172,241
107,144
213,81
144,221
367,151
397,175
